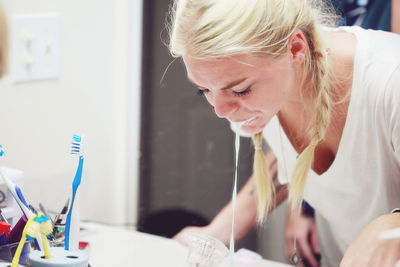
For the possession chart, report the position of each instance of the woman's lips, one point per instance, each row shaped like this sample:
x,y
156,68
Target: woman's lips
x,y
243,122
247,122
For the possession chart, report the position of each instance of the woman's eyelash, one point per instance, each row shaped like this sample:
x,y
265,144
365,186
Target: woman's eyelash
x,y
242,93
202,92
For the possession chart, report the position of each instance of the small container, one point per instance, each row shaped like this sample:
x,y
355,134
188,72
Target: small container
x,y
205,251
7,252
60,258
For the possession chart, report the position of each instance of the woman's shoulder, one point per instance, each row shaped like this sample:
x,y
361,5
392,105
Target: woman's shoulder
x,y
377,57
392,112
392,94
379,46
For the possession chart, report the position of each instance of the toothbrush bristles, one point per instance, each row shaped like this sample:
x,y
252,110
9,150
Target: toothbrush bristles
x,y
77,137
76,145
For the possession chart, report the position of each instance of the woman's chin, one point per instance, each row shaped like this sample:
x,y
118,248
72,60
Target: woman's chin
x,y
252,129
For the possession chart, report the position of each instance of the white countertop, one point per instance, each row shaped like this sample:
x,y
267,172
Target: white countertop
x,y
117,247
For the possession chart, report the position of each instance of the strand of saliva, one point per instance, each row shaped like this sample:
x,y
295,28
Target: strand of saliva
x,y
234,194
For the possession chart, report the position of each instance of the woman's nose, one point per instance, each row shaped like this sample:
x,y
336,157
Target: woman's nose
x,y
224,106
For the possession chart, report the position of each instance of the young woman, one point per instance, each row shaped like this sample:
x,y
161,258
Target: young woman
x,y
331,95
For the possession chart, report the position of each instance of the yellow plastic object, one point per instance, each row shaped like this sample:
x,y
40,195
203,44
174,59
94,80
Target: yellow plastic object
x,y
38,224
45,228
27,229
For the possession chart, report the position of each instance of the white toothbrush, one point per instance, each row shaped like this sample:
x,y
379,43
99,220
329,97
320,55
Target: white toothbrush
x,y
15,190
17,194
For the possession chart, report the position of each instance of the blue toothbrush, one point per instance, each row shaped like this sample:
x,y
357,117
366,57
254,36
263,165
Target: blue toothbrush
x,y
76,149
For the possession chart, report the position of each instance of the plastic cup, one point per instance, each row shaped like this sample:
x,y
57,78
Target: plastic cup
x,y
205,251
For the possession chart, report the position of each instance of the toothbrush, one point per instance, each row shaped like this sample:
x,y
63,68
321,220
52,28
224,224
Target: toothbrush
x,y
72,221
16,192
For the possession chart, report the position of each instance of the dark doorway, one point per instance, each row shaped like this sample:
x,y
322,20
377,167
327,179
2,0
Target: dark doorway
x,y
186,151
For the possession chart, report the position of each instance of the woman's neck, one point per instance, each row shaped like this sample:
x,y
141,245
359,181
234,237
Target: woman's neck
x,y
297,114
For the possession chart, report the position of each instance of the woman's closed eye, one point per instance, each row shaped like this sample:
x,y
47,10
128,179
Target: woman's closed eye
x,y
202,91
243,92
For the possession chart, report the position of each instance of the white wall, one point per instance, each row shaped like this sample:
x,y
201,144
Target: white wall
x,y
97,94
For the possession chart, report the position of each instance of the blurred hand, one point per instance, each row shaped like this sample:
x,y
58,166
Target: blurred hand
x,y
368,251
302,230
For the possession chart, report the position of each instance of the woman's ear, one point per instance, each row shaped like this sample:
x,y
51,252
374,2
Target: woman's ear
x,y
297,47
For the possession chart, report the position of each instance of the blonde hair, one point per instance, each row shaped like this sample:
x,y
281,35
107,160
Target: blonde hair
x,y
207,29
264,184
3,42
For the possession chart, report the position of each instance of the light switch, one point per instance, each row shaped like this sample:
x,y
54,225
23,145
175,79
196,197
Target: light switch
x,y
35,47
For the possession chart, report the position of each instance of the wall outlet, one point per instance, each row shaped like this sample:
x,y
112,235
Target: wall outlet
x,y
35,47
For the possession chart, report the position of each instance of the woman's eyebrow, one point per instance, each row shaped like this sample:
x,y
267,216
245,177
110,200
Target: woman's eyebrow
x,y
228,86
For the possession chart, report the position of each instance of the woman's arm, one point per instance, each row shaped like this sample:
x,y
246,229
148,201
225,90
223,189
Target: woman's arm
x,y
246,207
220,227
368,250
395,16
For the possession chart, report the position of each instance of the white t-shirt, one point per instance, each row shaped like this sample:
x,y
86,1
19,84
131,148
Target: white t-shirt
x,y
363,182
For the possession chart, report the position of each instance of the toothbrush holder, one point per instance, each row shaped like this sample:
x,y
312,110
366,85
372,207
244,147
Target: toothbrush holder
x,y
60,258
8,264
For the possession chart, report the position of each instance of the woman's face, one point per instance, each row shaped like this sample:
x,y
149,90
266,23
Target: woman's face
x,y
246,88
